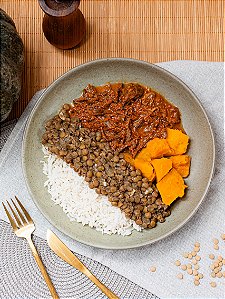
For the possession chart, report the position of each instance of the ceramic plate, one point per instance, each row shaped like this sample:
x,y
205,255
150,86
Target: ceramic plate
x,y
99,72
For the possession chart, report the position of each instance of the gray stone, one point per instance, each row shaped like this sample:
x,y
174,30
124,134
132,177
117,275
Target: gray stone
x,y
12,61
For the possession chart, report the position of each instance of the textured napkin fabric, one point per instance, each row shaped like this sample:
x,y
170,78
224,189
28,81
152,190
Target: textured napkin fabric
x,y
5,131
207,81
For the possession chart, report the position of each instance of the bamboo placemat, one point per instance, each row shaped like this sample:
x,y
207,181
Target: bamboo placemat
x,y
151,30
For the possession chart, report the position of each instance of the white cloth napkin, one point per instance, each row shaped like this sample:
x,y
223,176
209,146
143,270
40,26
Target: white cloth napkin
x,y
207,81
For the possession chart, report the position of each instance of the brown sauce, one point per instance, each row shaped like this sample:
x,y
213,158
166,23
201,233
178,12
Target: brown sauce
x,y
128,115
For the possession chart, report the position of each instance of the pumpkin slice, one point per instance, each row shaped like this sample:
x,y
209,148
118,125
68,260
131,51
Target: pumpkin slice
x,y
129,158
146,168
162,167
177,141
182,164
171,186
156,148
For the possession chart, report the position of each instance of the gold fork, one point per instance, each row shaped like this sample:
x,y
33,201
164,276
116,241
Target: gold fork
x,y
24,228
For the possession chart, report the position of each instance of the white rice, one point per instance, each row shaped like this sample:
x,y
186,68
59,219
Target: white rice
x,y
79,202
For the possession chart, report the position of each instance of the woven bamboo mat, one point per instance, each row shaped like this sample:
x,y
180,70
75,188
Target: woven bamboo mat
x,y
151,30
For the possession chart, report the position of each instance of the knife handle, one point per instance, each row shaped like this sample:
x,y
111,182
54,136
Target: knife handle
x,y
101,286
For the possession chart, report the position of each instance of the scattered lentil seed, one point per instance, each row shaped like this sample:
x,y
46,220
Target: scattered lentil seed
x,y
223,261
216,264
153,269
190,256
211,256
216,241
223,236
212,267
189,266
194,253
189,271
196,267
216,270
216,247
196,282
219,274
196,249
197,277
185,254
177,263
197,244
194,262
198,258
213,274
213,284
220,258
200,275
184,267
195,272
180,276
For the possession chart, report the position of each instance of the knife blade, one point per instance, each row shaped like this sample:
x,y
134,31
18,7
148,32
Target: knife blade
x,y
66,254
63,251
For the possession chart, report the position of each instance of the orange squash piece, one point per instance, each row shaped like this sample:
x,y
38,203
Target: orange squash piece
x,y
177,141
129,158
144,154
171,187
182,164
156,148
145,167
162,167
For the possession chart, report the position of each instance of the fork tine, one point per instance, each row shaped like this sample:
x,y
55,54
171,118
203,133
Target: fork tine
x,y
20,214
19,223
14,226
24,210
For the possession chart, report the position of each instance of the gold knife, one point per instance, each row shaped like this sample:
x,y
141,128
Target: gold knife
x,y
64,253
